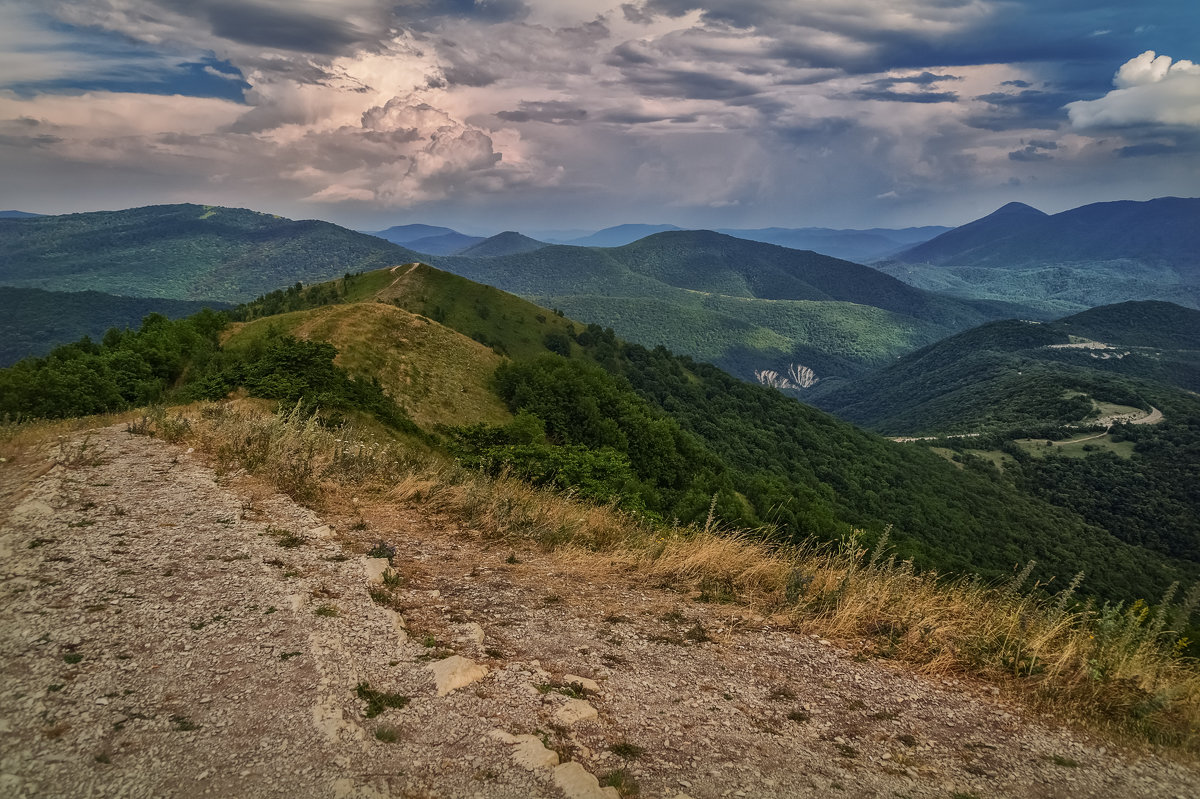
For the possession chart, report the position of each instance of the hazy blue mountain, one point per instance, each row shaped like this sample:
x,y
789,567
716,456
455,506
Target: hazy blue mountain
x,y
975,241
18,215
620,235
1093,255
403,234
559,236
445,244
33,322
507,243
185,252
862,246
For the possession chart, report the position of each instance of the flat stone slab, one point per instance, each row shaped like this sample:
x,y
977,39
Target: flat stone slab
x,y
588,685
575,781
528,750
575,711
456,672
375,569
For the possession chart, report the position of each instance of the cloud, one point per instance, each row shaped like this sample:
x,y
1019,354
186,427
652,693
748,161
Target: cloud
x,y
276,25
1034,151
1152,91
1029,108
795,108
923,79
905,97
549,111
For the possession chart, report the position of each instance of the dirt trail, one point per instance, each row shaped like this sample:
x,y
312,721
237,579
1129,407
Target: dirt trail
x,y
167,633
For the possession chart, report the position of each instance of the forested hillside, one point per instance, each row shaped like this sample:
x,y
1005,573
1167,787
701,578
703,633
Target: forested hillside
x,y
743,305
659,435
183,252
1013,374
33,322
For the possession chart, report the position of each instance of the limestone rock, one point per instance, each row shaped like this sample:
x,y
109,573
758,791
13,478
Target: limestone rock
x,y
528,750
574,781
456,672
574,712
588,685
375,568
473,633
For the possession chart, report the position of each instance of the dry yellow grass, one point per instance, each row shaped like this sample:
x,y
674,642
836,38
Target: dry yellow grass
x,y
1114,667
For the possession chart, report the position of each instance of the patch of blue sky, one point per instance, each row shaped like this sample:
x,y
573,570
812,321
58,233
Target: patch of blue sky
x,y
69,60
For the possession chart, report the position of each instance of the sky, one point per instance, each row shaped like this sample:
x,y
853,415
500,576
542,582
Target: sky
x,y
487,115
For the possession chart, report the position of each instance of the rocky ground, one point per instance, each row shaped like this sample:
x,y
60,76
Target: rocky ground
x,y
164,632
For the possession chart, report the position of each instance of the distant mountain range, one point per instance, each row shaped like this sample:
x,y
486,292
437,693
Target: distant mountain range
x,y
183,252
862,246
744,305
620,235
1092,255
17,215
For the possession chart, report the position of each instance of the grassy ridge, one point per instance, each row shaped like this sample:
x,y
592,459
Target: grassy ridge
x,y
438,377
787,465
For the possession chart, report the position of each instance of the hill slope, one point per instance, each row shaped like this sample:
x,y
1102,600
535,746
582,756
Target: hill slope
x,y
766,458
746,306
1013,374
1092,255
447,244
340,682
187,252
404,234
619,235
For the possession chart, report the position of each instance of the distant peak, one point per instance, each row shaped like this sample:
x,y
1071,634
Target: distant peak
x,y
1015,208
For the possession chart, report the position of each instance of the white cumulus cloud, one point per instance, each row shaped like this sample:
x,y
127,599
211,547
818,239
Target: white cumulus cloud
x,y
1152,90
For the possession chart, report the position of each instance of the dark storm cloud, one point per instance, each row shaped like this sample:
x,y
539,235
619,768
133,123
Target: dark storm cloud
x,y
1020,84
924,79
490,11
635,14
1030,108
814,131
274,26
904,97
1149,148
1034,150
689,84
466,74
552,111
635,118
1018,31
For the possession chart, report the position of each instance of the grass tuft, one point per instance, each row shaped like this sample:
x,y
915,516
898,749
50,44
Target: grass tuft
x,y
379,701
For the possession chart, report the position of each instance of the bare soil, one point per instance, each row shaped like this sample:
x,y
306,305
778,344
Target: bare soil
x,y
165,632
